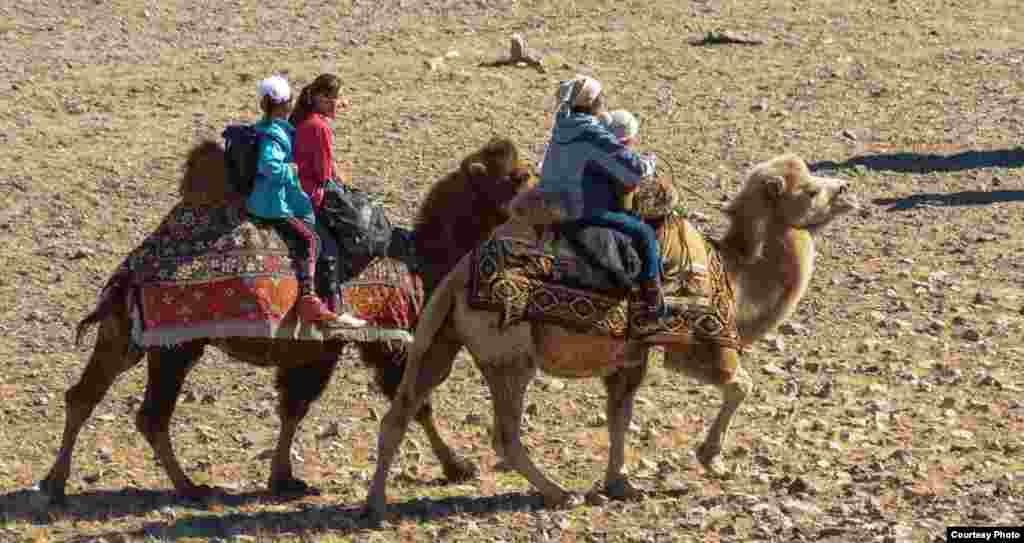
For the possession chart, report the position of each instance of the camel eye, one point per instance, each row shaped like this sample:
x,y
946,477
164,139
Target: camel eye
x,y
813,193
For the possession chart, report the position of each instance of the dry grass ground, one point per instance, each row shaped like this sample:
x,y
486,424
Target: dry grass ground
x,y
889,409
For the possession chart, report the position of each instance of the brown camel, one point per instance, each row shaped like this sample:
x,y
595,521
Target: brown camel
x,y
446,228
767,257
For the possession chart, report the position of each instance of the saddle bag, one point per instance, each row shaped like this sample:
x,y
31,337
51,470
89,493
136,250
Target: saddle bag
x,y
360,226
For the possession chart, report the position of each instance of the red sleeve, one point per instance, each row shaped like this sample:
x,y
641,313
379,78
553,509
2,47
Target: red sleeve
x,y
321,153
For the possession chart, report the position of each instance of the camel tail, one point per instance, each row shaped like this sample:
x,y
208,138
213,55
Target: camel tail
x,y
108,301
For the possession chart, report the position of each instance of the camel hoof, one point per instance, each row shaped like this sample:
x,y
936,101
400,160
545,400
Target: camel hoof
x,y
713,464
622,490
291,487
460,471
54,491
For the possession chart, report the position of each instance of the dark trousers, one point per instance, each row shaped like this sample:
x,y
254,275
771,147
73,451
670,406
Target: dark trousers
x,y
303,245
645,239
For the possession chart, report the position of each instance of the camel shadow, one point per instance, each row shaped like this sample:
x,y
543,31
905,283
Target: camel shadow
x,y
336,519
908,162
30,506
339,519
952,199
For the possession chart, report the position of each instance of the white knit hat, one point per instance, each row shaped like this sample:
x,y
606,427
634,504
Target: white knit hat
x,y
276,88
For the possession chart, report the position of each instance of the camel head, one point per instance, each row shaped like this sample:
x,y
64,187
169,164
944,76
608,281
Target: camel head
x,y
496,174
781,194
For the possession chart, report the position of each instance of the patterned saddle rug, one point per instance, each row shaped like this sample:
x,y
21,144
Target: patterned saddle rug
x,y
529,278
210,273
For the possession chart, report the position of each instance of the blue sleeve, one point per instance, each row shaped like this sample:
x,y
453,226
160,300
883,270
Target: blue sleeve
x,y
621,162
271,163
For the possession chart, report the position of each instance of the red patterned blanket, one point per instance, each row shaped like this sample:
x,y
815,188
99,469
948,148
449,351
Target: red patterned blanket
x,y
210,273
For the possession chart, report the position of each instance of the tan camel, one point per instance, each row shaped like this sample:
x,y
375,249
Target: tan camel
x,y
446,228
768,258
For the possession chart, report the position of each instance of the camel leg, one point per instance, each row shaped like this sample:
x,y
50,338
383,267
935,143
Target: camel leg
x,y
298,389
719,367
168,368
621,387
733,394
112,355
508,383
434,368
388,375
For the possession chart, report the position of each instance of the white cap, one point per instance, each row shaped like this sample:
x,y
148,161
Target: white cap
x,y
276,88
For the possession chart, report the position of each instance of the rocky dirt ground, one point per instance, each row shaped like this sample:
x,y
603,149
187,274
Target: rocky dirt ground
x,y
888,408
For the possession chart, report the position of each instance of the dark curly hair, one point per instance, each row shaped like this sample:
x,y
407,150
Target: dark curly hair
x,y
324,85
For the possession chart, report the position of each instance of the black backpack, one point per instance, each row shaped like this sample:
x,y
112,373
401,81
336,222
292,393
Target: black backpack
x,y
359,226
241,151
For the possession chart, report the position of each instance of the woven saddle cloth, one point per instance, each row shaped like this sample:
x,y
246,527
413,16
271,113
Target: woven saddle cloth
x,y
528,274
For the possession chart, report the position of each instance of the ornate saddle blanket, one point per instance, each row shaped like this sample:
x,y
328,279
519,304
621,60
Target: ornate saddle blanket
x,y
527,278
210,273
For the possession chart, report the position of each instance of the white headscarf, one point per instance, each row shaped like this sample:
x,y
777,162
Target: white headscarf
x,y
584,96
276,88
621,122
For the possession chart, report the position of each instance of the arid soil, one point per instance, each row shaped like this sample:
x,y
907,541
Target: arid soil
x,y
888,408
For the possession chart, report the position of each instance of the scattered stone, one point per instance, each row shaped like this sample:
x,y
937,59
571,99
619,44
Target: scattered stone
x,y
799,507
331,430
792,329
989,381
772,369
971,334
725,37
434,64
867,346
519,55
775,343
983,298
878,406
82,252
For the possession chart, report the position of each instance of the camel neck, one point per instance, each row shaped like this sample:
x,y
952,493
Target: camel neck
x,y
769,289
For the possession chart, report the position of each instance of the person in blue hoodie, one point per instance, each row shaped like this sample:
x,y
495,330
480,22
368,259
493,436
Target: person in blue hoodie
x,y
277,199
586,168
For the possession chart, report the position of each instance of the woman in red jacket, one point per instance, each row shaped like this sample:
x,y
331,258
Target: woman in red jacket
x,y
313,154
316,107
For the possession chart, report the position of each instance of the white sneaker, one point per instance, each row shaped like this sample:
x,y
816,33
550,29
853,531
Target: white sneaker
x,y
350,321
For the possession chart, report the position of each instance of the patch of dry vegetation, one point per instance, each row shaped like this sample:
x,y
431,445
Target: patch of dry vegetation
x,y
888,409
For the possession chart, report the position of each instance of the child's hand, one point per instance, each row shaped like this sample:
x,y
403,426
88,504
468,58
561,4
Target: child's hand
x,y
343,171
344,103
294,168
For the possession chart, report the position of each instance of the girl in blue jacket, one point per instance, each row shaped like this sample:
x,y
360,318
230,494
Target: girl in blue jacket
x,y
278,200
587,167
